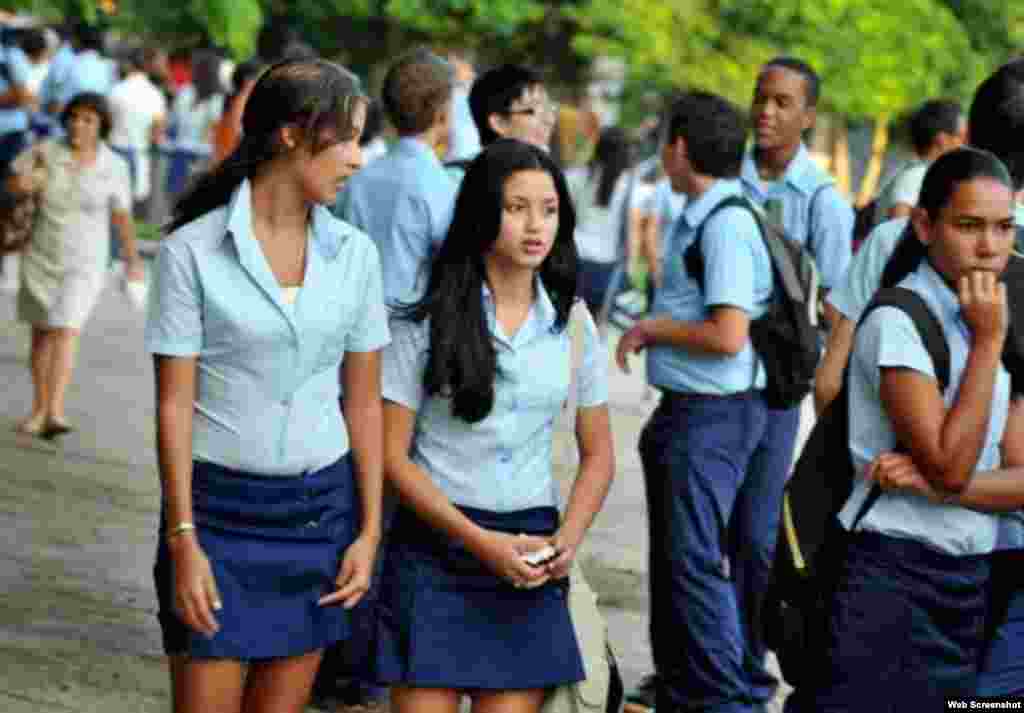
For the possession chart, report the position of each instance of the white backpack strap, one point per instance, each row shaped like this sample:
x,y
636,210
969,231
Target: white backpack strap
x,y
576,325
564,450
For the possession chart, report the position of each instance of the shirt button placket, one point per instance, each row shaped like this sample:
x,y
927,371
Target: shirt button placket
x,y
286,404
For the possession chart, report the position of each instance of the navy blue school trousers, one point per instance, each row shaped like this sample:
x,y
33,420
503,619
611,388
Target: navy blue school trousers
x,y
714,470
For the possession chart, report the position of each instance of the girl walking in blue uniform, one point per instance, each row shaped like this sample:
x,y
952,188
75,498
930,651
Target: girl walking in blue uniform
x,y
474,381
907,621
259,296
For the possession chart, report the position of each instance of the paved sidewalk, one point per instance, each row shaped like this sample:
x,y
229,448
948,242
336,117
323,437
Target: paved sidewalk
x,y
77,625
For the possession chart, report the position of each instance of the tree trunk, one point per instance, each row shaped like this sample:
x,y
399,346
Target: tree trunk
x,y
873,172
841,155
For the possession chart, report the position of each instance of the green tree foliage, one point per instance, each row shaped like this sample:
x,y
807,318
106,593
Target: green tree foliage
x,y
875,56
233,24
995,27
673,43
467,21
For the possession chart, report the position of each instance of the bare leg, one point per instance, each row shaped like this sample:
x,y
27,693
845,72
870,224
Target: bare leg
x,y
206,686
62,366
525,701
281,686
40,357
424,700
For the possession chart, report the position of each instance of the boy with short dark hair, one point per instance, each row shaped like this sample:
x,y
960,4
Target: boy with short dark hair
x,y
713,469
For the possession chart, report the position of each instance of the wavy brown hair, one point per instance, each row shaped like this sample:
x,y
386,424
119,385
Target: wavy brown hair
x,y
320,97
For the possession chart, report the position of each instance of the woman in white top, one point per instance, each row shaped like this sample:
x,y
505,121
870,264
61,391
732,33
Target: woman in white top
x,y
85,187
599,193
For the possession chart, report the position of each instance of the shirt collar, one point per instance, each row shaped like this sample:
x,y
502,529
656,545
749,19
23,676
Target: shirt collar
x,y
543,309
802,173
104,154
329,233
944,295
413,146
697,210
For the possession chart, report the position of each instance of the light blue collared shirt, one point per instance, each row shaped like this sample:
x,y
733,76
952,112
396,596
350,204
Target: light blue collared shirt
x,y
737,273
464,141
14,119
668,206
57,75
853,296
854,292
502,463
90,72
267,382
888,338
828,232
404,201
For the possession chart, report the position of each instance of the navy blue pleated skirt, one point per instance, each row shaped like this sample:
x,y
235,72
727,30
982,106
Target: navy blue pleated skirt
x,y
444,621
275,545
906,629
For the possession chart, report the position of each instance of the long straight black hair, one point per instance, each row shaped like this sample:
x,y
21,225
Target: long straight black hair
x,y
320,97
462,362
940,183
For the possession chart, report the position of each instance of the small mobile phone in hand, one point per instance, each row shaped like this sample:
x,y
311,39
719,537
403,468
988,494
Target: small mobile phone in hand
x,y
540,557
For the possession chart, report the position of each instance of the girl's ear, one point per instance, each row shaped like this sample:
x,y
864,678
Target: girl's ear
x,y
922,223
498,124
290,136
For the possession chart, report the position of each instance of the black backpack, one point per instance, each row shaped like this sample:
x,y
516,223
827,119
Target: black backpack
x,y
809,550
786,336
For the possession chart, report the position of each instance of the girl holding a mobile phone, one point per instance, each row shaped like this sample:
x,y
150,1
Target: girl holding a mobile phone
x,y
474,381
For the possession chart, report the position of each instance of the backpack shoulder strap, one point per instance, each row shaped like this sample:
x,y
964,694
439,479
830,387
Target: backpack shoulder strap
x,y
811,204
925,321
460,163
564,450
1013,351
934,338
693,258
623,242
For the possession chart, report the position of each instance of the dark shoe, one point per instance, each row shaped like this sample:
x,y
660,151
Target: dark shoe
x,y
642,697
54,428
346,695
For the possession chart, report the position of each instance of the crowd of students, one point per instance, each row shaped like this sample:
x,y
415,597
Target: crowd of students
x,y
435,302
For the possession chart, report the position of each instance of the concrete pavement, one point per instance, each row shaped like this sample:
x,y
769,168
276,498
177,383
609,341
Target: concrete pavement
x,y
77,625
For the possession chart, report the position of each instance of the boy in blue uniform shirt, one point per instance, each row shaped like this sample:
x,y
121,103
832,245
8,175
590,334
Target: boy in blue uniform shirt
x,y
404,200
713,469
780,175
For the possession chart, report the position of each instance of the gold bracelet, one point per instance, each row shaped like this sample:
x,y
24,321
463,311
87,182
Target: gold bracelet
x,y
180,530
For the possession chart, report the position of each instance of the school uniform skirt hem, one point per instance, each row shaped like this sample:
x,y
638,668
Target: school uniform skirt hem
x,y
444,621
275,545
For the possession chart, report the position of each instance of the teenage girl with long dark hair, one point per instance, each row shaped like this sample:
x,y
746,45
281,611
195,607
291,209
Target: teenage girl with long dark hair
x,y
473,384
